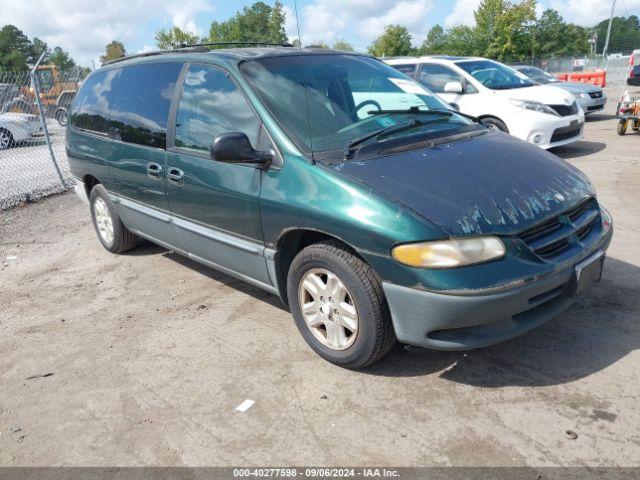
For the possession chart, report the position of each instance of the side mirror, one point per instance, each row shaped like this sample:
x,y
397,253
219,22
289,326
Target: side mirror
x,y
453,87
455,106
235,147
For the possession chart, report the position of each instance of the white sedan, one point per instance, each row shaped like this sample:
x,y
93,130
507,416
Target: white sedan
x,y
19,127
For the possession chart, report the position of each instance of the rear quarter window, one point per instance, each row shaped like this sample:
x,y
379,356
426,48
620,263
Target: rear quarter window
x,y
130,104
90,108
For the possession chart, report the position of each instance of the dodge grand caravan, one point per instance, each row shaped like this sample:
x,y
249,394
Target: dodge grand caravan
x,y
342,186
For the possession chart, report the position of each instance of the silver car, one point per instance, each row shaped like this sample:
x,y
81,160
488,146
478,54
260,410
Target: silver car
x,y
19,127
590,97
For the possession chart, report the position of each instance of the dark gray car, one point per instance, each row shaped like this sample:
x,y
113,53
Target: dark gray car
x,y
590,97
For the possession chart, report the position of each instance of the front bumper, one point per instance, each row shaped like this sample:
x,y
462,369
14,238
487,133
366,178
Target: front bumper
x,y
548,131
591,105
462,322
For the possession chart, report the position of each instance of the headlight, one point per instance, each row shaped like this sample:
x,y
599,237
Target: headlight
x,y
449,253
606,218
535,106
580,95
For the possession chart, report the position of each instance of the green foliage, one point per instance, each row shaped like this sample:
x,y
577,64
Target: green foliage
x,y
15,48
320,44
37,47
174,38
61,59
256,23
395,41
625,34
113,50
435,43
343,46
509,31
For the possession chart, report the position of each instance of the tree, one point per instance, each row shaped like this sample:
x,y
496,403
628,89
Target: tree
x,y
434,44
276,24
343,46
61,59
395,41
625,34
113,50
174,38
460,40
37,47
15,48
256,23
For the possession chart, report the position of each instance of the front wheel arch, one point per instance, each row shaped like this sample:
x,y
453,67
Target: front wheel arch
x,y
290,243
493,120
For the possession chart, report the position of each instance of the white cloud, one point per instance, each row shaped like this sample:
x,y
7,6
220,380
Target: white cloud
x,y
330,20
590,12
84,27
462,13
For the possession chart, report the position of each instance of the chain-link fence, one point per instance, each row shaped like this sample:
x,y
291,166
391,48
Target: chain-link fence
x,y
33,117
616,66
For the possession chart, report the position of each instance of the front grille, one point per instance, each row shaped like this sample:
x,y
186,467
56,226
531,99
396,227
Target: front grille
x,y
565,110
565,133
555,236
596,94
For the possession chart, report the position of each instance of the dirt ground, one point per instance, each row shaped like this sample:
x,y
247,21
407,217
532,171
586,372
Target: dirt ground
x,y
142,359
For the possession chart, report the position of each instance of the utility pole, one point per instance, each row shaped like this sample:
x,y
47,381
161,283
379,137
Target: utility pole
x,y
606,42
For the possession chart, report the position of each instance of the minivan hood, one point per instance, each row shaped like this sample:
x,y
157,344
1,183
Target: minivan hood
x,y
489,184
547,94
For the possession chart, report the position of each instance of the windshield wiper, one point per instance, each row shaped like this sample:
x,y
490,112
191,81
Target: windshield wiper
x,y
351,144
413,110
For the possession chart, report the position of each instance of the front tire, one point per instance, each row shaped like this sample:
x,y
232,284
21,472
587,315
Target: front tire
x,y
338,305
6,139
496,122
113,235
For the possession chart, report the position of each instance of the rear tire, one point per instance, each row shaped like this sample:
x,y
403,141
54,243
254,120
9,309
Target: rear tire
x,y
111,232
361,304
496,122
622,127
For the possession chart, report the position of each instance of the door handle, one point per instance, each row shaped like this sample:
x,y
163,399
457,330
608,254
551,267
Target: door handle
x,y
175,175
154,170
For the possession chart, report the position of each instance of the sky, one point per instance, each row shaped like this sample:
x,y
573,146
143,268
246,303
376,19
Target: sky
x,y
84,27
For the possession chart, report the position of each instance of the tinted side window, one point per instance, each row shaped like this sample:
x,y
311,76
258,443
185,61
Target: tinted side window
x,y
211,104
139,107
408,69
91,105
435,77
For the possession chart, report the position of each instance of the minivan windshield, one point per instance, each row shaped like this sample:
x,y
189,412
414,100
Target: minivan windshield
x,y
326,102
494,75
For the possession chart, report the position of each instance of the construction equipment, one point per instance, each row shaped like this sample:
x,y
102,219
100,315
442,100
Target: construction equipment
x,y
56,94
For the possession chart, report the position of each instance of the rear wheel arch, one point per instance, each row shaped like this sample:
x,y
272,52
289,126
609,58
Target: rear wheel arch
x,y
89,182
291,243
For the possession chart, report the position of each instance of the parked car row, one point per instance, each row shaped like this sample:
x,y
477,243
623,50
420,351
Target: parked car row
x,y
347,188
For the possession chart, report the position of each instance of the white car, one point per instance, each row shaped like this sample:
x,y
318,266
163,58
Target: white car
x,y
498,95
19,127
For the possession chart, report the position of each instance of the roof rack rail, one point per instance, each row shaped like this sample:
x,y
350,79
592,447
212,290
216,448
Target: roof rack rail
x,y
195,47
214,44
156,52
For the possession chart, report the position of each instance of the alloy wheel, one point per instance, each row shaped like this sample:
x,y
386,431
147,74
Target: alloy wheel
x,y
103,220
328,309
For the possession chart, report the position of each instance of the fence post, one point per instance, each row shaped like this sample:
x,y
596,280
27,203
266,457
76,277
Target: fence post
x,y
43,120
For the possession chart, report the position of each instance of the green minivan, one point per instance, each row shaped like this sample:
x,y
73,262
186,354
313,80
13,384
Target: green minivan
x,y
371,208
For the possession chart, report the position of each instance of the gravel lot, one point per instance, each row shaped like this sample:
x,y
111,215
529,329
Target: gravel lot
x,y
149,355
